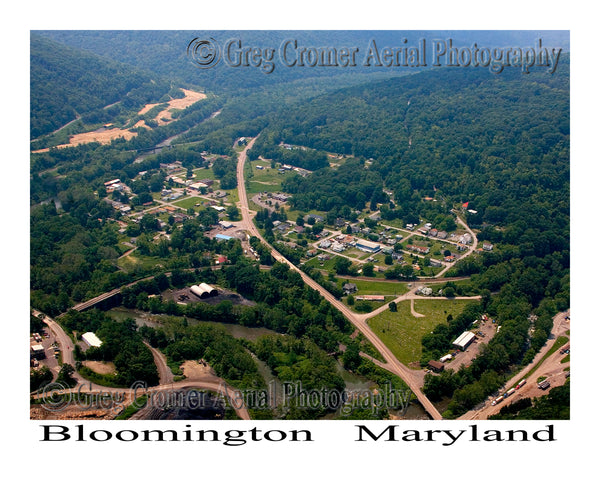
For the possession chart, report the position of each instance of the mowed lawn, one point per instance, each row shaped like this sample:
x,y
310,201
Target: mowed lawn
x,y
366,287
402,332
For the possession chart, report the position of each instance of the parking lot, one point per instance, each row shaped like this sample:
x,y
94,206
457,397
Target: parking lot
x,y
485,332
47,340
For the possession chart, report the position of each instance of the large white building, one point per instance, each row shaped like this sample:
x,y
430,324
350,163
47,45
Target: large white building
x,y
367,246
91,339
204,290
464,340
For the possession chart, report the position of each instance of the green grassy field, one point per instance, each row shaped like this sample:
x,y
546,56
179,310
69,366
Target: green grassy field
x,y
189,202
366,287
266,180
402,332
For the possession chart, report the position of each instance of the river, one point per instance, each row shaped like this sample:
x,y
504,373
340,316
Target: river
x,y
167,142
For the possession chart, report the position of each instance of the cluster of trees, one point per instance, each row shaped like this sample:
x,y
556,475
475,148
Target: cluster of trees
x,y
73,256
122,344
512,347
330,190
225,170
304,367
306,158
554,406
224,353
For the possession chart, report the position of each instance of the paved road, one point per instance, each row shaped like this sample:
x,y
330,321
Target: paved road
x,y
560,325
214,384
357,320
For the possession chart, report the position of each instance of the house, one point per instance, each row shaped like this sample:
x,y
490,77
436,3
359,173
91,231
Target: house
x,y
298,229
436,366
221,259
433,232
225,225
418,249
434,262
488,247
423,231
325,244
198,185
317,218
349,288
280,197
465,239
337,247
442,235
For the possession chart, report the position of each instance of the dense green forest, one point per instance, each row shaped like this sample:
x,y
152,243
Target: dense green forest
x,y
164,51
69,83
502,144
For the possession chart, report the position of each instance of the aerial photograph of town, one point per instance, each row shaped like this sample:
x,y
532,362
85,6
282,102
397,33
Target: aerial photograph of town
x,y
299,225
335,236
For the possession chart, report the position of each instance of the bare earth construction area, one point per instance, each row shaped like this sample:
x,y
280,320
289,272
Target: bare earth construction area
x,y
105,135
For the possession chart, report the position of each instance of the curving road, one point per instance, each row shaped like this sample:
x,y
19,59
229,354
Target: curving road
x,y
359,321
166,377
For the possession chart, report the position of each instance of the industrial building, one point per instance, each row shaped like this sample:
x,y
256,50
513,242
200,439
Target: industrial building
x,y
367,246
37,351
91,339
221,237
464,340
204,290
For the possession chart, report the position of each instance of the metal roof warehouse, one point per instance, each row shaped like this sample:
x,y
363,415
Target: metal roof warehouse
x,y
464,340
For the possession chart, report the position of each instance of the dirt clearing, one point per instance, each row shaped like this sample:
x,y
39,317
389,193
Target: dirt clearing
x,y
195,370
165,116
103,368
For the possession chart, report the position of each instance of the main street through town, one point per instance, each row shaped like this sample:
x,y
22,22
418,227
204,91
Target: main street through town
x,y
359,321
413,379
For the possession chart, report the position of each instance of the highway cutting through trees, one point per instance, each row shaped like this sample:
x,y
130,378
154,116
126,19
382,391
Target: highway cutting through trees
x,y
359,321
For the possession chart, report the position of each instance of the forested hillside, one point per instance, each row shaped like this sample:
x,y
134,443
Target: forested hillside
x,y
164,51
498,142
67,83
